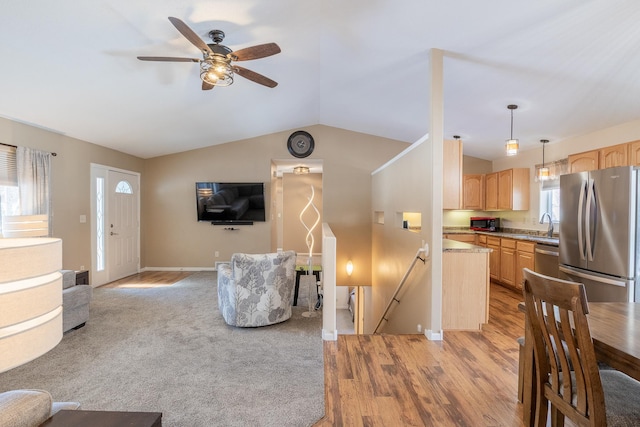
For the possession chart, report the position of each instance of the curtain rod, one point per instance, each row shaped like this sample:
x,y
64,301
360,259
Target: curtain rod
x,y
15,146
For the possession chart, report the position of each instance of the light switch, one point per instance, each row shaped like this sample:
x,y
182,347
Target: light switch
x,y
83,219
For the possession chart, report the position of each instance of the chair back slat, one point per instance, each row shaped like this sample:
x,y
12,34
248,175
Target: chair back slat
x,y
566,366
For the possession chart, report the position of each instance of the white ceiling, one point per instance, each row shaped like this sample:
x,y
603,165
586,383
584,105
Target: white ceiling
x,y
571,66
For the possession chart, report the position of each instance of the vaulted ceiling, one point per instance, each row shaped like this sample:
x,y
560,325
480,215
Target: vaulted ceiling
x,y
571,66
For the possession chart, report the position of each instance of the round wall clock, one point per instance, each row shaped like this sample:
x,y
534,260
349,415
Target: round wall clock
x,y
300,144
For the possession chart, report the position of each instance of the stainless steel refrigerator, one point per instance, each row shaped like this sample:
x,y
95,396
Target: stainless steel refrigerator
x,y
599,232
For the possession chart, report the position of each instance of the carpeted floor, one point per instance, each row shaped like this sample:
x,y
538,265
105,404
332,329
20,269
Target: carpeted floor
x,y
168,349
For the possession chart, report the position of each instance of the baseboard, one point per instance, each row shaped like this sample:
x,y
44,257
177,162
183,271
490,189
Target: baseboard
x,y
434,336
330,335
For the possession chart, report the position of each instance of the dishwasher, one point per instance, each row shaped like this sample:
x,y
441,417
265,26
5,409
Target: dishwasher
x,y
547,260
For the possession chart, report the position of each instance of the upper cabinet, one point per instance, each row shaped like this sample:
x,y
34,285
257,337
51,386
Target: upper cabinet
x,y
507,190
634,153
627,154
491,191
452,174
473,192
513,189
583,162
616,155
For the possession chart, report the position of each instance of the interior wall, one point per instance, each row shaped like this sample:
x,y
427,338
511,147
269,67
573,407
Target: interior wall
x,y
176,240
400,187
295,195
70,183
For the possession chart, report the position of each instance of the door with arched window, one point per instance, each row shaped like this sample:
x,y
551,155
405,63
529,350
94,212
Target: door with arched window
x,y
122,225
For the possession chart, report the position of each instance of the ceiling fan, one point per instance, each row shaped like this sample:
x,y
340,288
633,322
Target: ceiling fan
x,y
216,68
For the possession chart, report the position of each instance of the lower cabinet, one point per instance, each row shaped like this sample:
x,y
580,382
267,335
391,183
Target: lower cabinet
x,y
494,257
466,238
508,261
524,259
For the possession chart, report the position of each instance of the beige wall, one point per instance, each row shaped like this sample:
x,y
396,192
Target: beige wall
x,y
402,186
175,239
70,183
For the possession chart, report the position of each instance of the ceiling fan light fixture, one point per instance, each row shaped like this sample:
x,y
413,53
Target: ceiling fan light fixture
x,y
512,145
216,71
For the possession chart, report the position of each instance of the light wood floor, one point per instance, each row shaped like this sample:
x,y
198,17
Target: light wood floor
x,y
149,279
468,379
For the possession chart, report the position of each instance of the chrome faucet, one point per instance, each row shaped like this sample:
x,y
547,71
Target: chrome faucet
x,y
550,229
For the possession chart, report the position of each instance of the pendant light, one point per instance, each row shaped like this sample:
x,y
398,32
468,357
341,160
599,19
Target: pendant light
x,y
512,144
543,172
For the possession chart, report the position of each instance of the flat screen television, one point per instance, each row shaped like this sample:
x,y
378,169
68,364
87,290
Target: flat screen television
x,y
230,202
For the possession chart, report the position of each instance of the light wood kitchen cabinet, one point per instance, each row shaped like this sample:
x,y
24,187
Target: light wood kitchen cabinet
x,y
452,174
524,259
615,155
491,191
494,257
482,240
513,189
634,153
466,238
508,261
473,192
582,162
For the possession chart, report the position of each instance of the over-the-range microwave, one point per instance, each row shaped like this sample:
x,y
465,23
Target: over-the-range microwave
x,y
484,223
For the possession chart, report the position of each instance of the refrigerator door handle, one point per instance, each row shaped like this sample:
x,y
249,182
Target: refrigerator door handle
x,y
587,222
581,223
582,275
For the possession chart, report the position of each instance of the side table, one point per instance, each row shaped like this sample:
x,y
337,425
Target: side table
x,y
82,277
81,418
300,270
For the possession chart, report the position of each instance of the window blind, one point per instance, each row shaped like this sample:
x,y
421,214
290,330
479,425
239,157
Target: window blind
x,y
8,172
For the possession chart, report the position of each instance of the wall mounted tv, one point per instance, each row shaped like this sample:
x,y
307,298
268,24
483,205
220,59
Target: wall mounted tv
x,y
230,202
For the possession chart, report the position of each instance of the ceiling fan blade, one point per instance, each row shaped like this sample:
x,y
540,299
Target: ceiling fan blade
x,y
167,59
206,86
190,35
256,52
255,77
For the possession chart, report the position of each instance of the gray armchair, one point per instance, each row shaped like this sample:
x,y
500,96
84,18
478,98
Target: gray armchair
x,y
256,290
75,301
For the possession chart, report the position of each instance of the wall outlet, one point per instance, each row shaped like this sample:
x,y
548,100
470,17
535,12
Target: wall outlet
x,y
419,328
216,254
82,268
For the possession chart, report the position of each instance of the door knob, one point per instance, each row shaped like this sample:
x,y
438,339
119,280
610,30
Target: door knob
x,y
114,234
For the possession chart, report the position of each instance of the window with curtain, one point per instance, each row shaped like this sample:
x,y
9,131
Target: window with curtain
x,y
550,189
25,180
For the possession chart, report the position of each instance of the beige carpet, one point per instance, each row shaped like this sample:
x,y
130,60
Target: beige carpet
x,y
168,349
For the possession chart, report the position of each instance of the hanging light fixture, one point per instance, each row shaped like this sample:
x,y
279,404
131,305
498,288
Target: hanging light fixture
x,y
543,172
512,144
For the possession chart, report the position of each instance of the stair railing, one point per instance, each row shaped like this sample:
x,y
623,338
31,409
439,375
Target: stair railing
x,y
394,298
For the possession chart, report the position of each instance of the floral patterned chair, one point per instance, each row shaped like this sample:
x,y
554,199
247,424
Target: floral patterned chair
x,y
256,290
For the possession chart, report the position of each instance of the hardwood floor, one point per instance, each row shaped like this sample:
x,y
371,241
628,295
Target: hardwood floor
x,y
149,279
468,379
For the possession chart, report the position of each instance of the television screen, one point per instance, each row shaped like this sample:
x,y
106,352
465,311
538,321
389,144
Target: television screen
x,y
230,202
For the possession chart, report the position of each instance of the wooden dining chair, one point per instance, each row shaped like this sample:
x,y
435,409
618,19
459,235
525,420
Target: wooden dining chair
x,y
563,350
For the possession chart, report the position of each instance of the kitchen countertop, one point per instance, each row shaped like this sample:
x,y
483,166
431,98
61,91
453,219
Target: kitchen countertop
x,y
455,246
536,238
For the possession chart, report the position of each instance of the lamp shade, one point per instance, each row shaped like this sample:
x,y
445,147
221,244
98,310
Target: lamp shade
x,y
349,268
31,299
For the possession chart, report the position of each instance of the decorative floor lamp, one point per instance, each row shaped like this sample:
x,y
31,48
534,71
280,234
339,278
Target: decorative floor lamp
x,y
310,278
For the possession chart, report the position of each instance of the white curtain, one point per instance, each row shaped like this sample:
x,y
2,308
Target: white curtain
x,y
34,181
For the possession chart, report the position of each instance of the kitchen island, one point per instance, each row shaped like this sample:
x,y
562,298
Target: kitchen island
x,y
465,286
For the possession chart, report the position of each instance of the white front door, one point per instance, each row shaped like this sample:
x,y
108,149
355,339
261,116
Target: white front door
x,y
122,227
